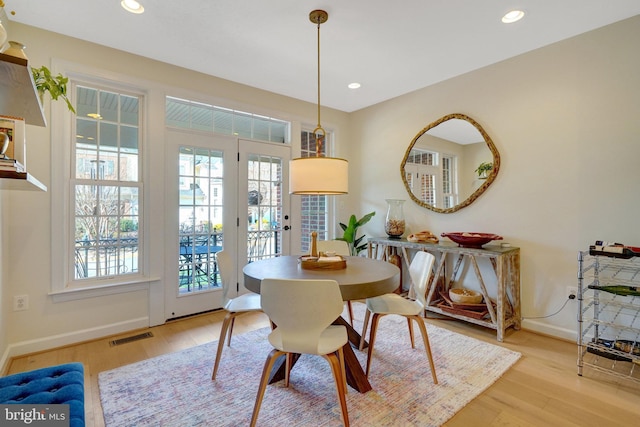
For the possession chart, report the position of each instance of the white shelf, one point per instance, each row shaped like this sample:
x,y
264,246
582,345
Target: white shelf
x,y
20,181
19,99
18,95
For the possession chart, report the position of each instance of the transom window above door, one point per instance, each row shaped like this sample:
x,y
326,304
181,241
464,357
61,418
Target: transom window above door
x,y
182,113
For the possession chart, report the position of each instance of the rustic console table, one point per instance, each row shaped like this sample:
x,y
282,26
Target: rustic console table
x,y
503,308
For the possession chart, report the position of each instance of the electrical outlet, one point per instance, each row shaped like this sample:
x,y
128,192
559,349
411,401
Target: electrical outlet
x,y
572,290
20,302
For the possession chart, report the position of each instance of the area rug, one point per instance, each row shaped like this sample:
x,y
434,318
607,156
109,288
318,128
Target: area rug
x,y
176,389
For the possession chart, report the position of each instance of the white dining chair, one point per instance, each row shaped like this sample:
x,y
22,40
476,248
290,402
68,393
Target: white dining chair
x,y
234,306
306,328
420,272
340,247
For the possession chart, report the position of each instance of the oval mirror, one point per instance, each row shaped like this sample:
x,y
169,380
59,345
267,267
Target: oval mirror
x,y
449,164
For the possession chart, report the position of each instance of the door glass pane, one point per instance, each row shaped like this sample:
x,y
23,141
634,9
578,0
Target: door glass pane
x,y
200,219
264,207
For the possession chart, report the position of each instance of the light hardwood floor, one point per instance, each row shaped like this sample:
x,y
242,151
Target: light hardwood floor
x,y
542,389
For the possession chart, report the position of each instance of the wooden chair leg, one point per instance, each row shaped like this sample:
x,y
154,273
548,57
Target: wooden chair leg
x,y
413,343
367,313
268,365
336,361
350,308
427,347
343,367
287,368
223,332
372,339
233,319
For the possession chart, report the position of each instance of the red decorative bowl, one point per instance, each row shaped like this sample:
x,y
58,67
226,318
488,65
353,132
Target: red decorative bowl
x,y
471,240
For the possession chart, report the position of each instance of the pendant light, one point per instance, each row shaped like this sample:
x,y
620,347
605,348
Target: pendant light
x,y
318,175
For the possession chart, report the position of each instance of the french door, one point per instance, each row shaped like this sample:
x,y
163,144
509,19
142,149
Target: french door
x,y
264,219
230,194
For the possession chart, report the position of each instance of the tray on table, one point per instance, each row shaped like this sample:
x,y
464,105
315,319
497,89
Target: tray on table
x,y
337,262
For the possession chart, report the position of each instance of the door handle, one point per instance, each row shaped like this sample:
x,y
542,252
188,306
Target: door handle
x,y
286,228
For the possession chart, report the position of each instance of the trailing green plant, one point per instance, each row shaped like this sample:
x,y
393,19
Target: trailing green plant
x,y
55,85
351,230
483,168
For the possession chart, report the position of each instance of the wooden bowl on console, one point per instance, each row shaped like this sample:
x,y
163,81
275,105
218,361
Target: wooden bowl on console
x,y
465,296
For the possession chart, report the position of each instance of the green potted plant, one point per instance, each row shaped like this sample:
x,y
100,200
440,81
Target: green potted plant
x,y
483,169
350,232
56,85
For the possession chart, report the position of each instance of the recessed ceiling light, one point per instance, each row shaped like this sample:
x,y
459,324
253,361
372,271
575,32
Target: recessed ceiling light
x,y
354,85
513,16
132,6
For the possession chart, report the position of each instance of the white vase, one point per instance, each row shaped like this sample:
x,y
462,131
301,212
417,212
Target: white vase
x,y
16,49
3,36
4,144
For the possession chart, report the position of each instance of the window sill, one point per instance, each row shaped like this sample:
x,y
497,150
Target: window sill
x,y
97,290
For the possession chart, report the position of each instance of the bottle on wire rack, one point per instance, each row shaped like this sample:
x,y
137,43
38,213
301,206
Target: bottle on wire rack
x,y
618,290
616,250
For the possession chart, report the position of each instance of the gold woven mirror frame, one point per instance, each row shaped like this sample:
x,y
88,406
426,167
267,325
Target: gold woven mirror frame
x,y
486,182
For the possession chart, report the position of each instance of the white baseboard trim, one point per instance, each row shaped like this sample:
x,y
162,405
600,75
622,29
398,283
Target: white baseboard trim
x,y
54,341
4,365
550,330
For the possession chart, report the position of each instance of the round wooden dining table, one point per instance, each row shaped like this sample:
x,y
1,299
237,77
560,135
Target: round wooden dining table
x,y
363,278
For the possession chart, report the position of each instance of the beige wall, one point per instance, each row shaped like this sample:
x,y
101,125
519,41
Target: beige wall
x,y
564,118
566,121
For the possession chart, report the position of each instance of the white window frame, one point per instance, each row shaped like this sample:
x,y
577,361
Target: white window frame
x,y
437,171
452,175
63,286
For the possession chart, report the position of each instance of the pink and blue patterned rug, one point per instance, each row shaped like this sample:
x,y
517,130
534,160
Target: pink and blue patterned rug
x,y
176,389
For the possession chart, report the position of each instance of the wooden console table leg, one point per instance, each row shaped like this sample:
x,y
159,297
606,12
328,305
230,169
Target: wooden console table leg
x,y
502,295
483,288
454,273
513,265
436,278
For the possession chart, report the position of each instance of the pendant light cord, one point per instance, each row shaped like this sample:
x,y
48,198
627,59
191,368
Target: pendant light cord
x,y
319,129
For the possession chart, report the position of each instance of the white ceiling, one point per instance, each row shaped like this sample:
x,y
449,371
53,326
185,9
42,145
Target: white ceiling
x,y
390,47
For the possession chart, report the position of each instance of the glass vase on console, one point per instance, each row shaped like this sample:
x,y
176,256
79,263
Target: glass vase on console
x,y
394,223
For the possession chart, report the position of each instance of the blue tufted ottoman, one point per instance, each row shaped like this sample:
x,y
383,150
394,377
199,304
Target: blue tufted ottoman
x,y
62,384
